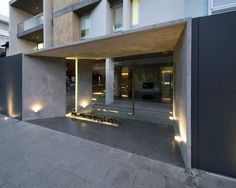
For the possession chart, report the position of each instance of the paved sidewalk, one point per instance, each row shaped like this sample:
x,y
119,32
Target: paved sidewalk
x,y
35,157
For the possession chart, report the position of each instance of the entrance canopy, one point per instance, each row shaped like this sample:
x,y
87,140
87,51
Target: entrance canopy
x,y
147,40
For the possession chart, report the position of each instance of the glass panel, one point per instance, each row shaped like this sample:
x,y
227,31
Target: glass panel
x,y
153,89
122,104
31,23
118,17
70,85
222,2
135,12
98,82
85,26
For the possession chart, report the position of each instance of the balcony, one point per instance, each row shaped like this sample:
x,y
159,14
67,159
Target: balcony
x,y
220,6
31,29
33,7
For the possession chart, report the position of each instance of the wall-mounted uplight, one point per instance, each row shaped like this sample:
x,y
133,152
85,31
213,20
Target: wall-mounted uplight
x,y
6,118
36,108
178,139
172,118
84,104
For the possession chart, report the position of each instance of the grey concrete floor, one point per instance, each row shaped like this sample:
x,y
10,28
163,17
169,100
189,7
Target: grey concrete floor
x,y
35,157
138,137
32,156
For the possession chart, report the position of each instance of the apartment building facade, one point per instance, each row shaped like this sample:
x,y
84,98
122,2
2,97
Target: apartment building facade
x,y
4,33
121,35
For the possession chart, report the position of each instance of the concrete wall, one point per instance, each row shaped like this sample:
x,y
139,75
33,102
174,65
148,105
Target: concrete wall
x,y
47,23
66,29
44,87
182,92
157,11
60,4
101,19
195,8
18,45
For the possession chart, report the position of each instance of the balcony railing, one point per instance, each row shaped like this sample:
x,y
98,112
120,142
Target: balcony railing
x,y
30,23
217,6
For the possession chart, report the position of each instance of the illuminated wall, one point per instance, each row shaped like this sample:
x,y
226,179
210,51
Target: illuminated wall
x,y
182,93
11,86
44,87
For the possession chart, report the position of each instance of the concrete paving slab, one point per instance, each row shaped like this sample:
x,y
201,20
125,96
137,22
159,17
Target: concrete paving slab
x,y
56,178
119,176
145,178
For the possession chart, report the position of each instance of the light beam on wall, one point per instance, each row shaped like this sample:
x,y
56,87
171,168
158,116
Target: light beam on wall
x,y
36,108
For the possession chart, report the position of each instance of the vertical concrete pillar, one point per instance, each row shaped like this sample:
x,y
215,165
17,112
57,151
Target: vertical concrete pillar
x,y
126,14
83,86
47,24
109,81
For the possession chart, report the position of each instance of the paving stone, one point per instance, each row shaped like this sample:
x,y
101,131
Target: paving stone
x,y
148,179
90,163
56,178
171,183
17,170
7,186
54,151
119,176
2,181
208,180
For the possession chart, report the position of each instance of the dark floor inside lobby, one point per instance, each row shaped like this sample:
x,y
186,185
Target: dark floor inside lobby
x,y
143,138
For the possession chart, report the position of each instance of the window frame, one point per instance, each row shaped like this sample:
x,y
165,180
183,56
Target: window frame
x,y
89,19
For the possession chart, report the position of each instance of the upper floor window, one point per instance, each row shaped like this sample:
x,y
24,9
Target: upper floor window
x,y
117,17
85,26
135,12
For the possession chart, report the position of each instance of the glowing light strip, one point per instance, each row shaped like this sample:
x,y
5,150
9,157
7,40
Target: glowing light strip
x,y
91,120
76,84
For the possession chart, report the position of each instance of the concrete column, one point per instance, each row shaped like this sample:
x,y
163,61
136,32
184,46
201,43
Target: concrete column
x,y
109,81
47,24
83,86
126,15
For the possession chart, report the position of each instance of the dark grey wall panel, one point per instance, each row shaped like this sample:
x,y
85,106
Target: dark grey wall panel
x,y
11,86
214,94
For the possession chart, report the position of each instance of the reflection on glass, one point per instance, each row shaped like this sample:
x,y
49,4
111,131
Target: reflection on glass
x,y
98,82
117,17
85,26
